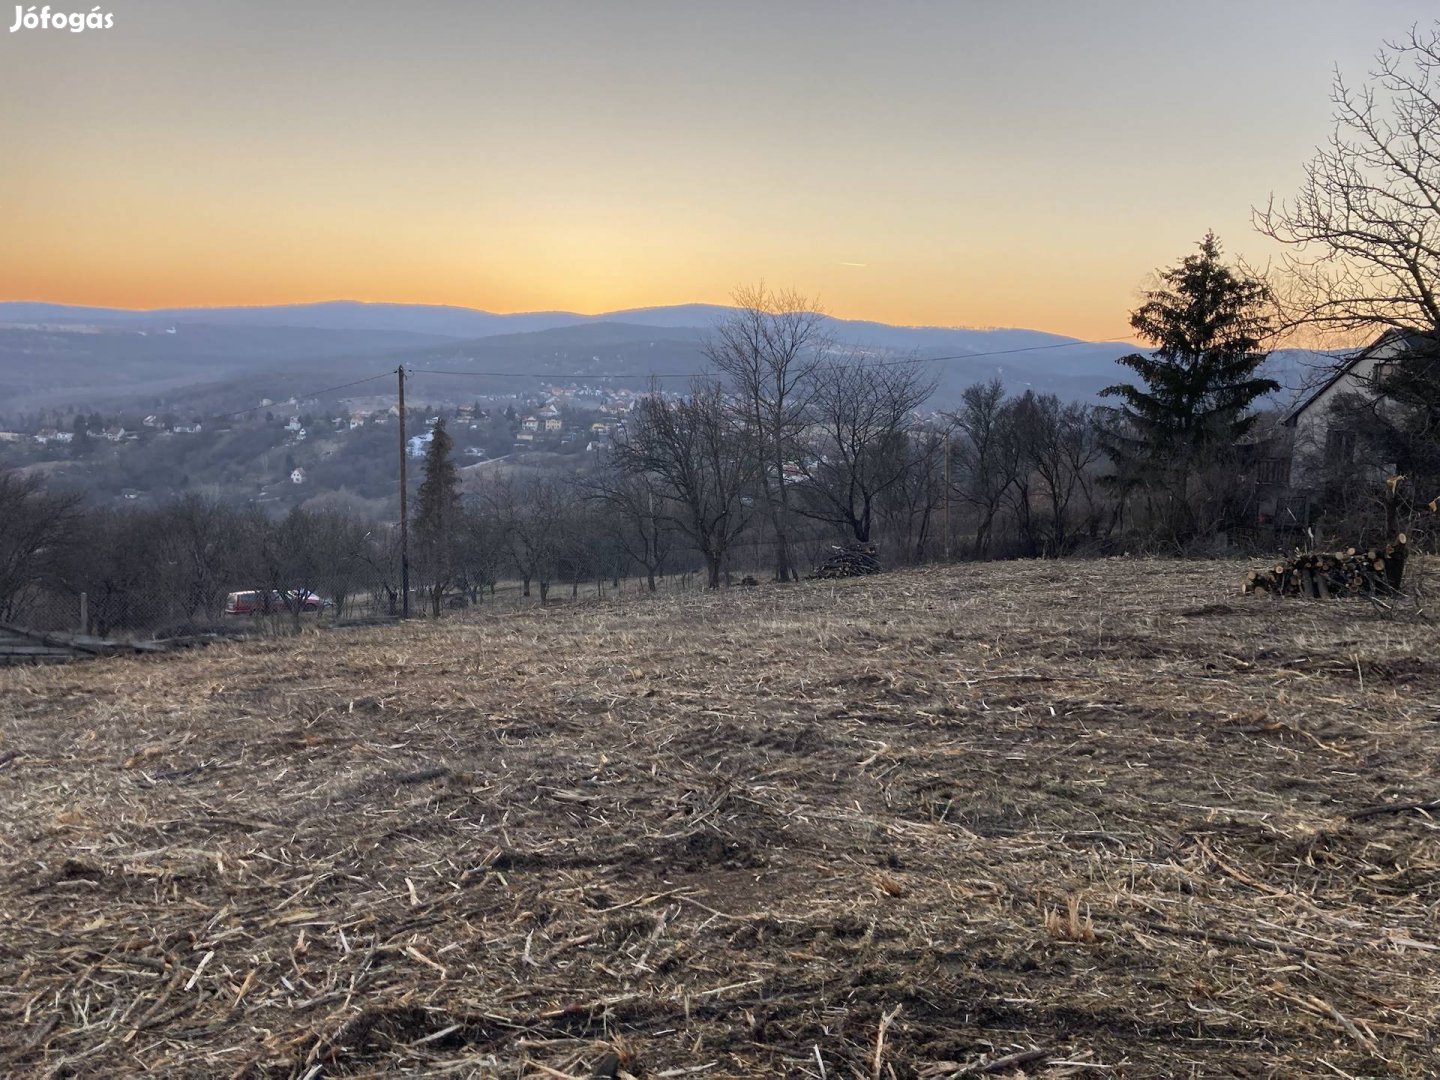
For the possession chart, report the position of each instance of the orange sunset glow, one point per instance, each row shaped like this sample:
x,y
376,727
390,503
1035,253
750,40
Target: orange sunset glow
x,y
949,164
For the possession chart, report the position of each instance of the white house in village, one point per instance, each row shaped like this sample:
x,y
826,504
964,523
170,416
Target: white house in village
x,y
1316,437
297,475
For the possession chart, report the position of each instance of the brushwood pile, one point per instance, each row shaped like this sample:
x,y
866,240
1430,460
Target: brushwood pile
x,y
855,559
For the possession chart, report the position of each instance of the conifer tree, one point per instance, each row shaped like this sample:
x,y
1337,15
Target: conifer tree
x,y
437,516
1208,323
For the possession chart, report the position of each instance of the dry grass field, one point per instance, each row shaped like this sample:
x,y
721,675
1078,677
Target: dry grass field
x,y
1102,819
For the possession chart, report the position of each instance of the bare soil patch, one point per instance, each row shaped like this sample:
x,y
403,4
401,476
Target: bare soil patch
x,y
1024,819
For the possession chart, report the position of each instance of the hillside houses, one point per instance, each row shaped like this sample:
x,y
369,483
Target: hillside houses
x,y
1317,439
1284,464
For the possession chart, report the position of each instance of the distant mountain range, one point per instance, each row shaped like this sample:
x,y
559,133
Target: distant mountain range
x,y
59,355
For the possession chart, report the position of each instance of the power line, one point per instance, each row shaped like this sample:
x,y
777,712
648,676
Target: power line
x,y
307,394
703,374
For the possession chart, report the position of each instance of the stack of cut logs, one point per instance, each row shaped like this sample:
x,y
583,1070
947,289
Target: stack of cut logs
x,y
1325,574
851,560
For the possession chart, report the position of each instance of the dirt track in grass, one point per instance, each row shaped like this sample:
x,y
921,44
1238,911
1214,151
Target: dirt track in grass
x,y
1034,819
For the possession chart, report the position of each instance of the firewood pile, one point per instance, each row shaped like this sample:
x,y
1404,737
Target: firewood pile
x,y
1326,574
850,560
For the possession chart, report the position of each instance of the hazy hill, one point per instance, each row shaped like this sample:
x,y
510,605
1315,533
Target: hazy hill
x,y
96,366
341,315
57,355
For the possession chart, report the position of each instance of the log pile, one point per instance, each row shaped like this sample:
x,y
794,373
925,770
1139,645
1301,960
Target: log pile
x,y
850,560
1322,575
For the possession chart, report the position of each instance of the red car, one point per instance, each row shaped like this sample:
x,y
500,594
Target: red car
x,y
254,603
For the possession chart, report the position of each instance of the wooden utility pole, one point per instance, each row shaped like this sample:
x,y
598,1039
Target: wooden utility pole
x,y
404,511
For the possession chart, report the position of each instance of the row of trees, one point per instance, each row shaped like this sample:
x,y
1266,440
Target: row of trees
x,y
800,443
171,566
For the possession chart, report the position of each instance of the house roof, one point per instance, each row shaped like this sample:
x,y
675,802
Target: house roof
x,y
1410,340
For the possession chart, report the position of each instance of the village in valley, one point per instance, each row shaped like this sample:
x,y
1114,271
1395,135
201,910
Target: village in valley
x,y
311,442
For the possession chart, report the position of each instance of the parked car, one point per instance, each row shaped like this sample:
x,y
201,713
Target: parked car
x,y
254,602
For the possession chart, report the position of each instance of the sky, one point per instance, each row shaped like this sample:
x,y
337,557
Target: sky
x,y
963,163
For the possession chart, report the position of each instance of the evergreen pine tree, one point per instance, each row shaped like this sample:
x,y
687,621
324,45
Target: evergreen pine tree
x,y
80,444
1193,401
437,515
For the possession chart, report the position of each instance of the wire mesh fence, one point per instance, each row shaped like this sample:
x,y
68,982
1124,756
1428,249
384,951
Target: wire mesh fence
x,y
139,614
156,606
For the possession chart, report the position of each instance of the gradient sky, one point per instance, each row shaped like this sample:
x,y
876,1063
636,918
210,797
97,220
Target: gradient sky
x,y
972,163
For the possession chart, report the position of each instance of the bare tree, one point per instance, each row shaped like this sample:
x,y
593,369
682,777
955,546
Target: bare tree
x,y
701,459
35,529
480,548
200,535
330,558
1365,224
909,507
127,586
769,349
984,455
643,527
531,513
861,413
1058,450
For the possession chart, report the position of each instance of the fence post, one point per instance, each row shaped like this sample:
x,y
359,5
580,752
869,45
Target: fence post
x,y
84,613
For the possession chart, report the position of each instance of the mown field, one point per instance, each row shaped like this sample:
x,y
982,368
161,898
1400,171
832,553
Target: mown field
x,y
1101,819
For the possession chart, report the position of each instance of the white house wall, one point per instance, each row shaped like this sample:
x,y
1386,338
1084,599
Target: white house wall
x,y
1312,426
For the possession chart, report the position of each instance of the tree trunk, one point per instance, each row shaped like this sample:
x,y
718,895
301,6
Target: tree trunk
x,y
782,554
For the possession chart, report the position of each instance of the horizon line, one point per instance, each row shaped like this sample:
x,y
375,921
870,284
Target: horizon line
x,y
537,311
